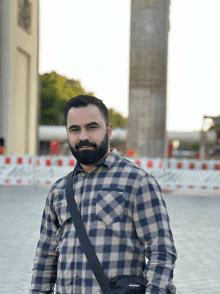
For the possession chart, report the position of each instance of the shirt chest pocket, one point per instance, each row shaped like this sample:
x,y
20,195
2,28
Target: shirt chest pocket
x,y
110,206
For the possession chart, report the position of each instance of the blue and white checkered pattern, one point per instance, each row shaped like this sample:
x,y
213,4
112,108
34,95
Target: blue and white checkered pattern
x,y
125,216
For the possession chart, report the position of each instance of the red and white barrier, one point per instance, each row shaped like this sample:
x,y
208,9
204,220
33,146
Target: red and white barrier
x,y
173,163
172,174
183,174
28,170
192,164
49,169
16,170
190,180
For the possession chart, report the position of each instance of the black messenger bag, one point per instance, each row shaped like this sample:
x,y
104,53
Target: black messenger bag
x,y
123,284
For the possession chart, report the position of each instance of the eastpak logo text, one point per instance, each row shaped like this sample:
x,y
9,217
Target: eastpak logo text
x,y
133,285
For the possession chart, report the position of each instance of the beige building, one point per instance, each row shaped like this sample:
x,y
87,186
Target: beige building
x,y
19,81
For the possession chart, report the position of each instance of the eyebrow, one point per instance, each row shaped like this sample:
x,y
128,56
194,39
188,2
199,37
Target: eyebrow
x,y
92,123
88,125
72,126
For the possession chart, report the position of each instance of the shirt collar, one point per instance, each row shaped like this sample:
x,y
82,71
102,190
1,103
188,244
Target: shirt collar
x,y
108,161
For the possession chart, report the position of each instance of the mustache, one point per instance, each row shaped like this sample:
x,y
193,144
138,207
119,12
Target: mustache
x,y
85,143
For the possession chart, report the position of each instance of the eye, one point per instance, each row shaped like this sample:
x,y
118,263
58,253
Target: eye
x,y
74,130
92,127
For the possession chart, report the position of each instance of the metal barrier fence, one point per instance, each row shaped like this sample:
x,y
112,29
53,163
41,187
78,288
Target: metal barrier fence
x,y
172,174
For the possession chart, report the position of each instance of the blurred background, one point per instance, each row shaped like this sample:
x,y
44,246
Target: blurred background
x,y
53,51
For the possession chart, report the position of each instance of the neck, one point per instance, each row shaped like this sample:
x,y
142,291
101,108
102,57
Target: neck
x,y
87,168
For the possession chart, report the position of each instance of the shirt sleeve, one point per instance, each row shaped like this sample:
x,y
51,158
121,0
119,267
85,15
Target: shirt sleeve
x,y
153,228
45,262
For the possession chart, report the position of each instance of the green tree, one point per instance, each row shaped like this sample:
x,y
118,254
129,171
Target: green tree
x,y
116,119
56,90
214,127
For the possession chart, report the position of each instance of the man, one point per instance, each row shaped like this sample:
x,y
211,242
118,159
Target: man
x,y
122,208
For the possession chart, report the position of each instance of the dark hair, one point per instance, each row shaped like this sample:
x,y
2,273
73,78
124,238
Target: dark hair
x,y
83,101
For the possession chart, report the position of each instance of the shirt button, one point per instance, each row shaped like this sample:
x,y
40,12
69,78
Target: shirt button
x,y
79,251
77,277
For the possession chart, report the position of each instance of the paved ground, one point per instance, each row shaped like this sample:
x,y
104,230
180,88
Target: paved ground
x,y
195,222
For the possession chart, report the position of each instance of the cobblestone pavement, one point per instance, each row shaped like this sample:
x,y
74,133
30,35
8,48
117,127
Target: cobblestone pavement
x,y
195,221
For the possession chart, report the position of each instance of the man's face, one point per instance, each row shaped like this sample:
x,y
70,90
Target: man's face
x,y
87,134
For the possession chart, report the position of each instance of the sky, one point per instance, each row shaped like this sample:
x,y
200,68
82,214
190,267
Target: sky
x,y
89,41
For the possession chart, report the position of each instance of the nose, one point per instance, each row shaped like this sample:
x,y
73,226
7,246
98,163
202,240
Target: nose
x,y
83,135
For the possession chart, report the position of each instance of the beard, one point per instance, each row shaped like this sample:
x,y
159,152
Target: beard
x,y
89,157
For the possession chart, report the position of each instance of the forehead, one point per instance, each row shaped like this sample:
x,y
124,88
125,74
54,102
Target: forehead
x,y
84,115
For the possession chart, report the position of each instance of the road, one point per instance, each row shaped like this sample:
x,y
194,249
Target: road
x,y
195,221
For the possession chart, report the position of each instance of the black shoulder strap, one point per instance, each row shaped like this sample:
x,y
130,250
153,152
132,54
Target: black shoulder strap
x,y
84,239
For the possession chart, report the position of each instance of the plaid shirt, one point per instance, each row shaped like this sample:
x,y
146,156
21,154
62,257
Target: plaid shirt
x,y
125,216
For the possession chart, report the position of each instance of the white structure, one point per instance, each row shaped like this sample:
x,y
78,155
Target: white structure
x,y
19,82
49,133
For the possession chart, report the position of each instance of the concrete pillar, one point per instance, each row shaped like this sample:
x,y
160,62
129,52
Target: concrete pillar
x,y
19,82
148,77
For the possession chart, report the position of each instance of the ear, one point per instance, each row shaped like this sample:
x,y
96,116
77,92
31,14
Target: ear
x,y
109,130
